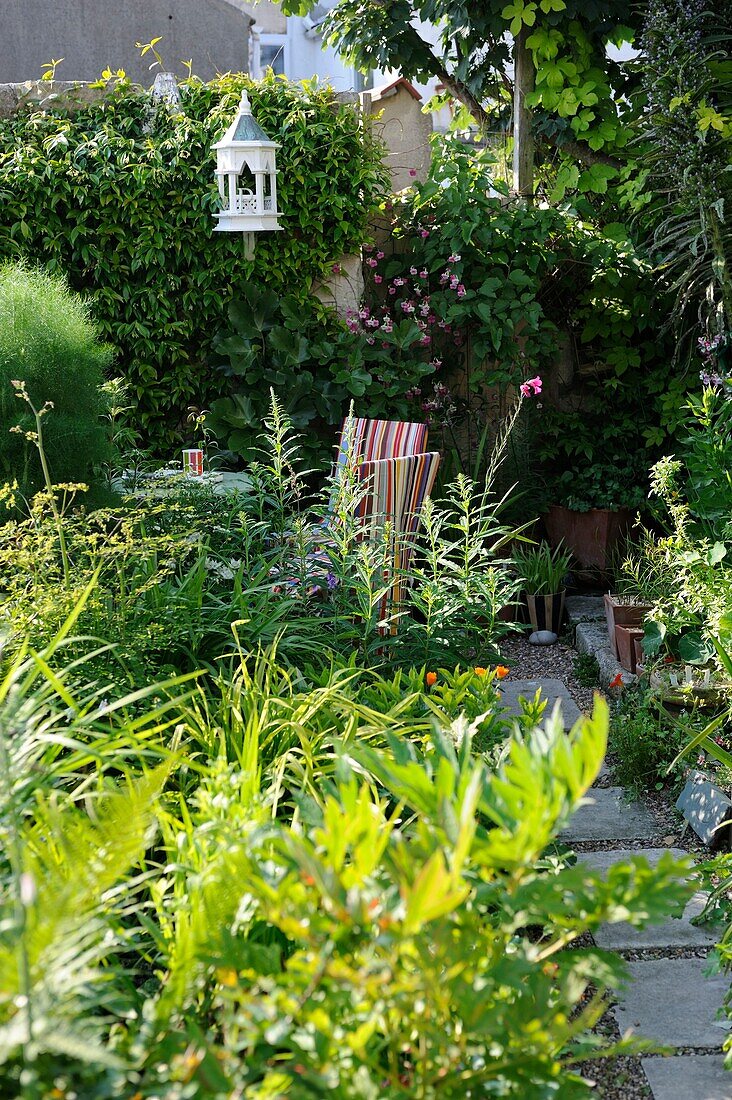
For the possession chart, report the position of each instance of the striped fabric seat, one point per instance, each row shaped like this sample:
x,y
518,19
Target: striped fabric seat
x,y
394,473
371,440
395,489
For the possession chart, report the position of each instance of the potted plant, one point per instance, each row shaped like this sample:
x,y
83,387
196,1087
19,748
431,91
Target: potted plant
x,y
542,572
593,511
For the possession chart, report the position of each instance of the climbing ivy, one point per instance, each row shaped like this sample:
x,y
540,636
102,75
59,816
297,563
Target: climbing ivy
x,y
120,196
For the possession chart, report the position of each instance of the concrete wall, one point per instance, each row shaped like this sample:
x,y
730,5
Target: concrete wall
x,y
91,35
400,122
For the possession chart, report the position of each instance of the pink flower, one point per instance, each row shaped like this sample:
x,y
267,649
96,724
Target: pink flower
x,y
413,171
431,318
399,281
336,269
368,248
392,290
379,255
423,273
455,258
413,271
531,386
461,292
426,340
364,313
436,363
424,233
378,278
372,262
408,307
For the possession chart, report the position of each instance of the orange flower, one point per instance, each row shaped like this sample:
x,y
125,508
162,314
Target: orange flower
x,y
479,671
617,681
228,976
431,678
502,672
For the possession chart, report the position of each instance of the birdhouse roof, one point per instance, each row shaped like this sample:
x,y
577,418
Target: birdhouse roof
x,y
244,128
248,129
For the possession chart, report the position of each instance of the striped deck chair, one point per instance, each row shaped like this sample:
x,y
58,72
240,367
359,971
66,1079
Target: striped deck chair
x,y
395,491
371,440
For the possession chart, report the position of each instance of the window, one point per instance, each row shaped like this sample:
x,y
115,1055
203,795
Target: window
x,y
272,53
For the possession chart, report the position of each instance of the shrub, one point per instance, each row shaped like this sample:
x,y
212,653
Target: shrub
x,y
48,341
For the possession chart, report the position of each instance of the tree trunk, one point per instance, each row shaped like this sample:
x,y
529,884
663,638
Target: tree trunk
x,y
523,141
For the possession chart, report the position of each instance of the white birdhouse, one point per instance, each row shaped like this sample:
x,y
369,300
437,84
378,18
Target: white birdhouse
x,y
247,177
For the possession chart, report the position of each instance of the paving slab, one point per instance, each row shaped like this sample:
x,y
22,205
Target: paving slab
x,y
585,609
591,637
675,932
608,815
671,1002
551,690
688,1077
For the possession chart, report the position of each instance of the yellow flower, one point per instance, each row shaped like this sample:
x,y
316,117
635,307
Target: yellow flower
x,y
479,671
502,672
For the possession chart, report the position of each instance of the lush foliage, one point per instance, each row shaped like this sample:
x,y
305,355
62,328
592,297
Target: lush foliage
x,y
315,367
480,293
295,894
51,351
186,575
687,83
580,101
685,573
128,195
645,741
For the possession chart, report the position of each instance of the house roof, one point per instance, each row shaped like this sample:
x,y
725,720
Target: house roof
x,y
383,91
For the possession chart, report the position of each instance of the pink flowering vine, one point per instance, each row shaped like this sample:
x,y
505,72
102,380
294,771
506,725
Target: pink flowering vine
x,y
531,387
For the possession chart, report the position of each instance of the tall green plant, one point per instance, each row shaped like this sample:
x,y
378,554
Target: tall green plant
x,y
51,357
687,88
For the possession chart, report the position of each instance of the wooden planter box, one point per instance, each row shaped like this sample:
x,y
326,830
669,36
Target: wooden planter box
x,y
626,638
620,612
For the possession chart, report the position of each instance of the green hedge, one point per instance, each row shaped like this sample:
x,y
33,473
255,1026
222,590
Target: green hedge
x,y
120,196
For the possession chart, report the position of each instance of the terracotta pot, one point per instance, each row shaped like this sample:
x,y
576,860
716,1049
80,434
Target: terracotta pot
x,y
591,536
620,612
626,637
639,655
546,612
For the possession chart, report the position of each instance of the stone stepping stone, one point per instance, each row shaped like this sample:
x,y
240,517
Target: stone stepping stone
x,y
585,609
607,815
592,638
671,1002
688,1077
679,932
551,690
